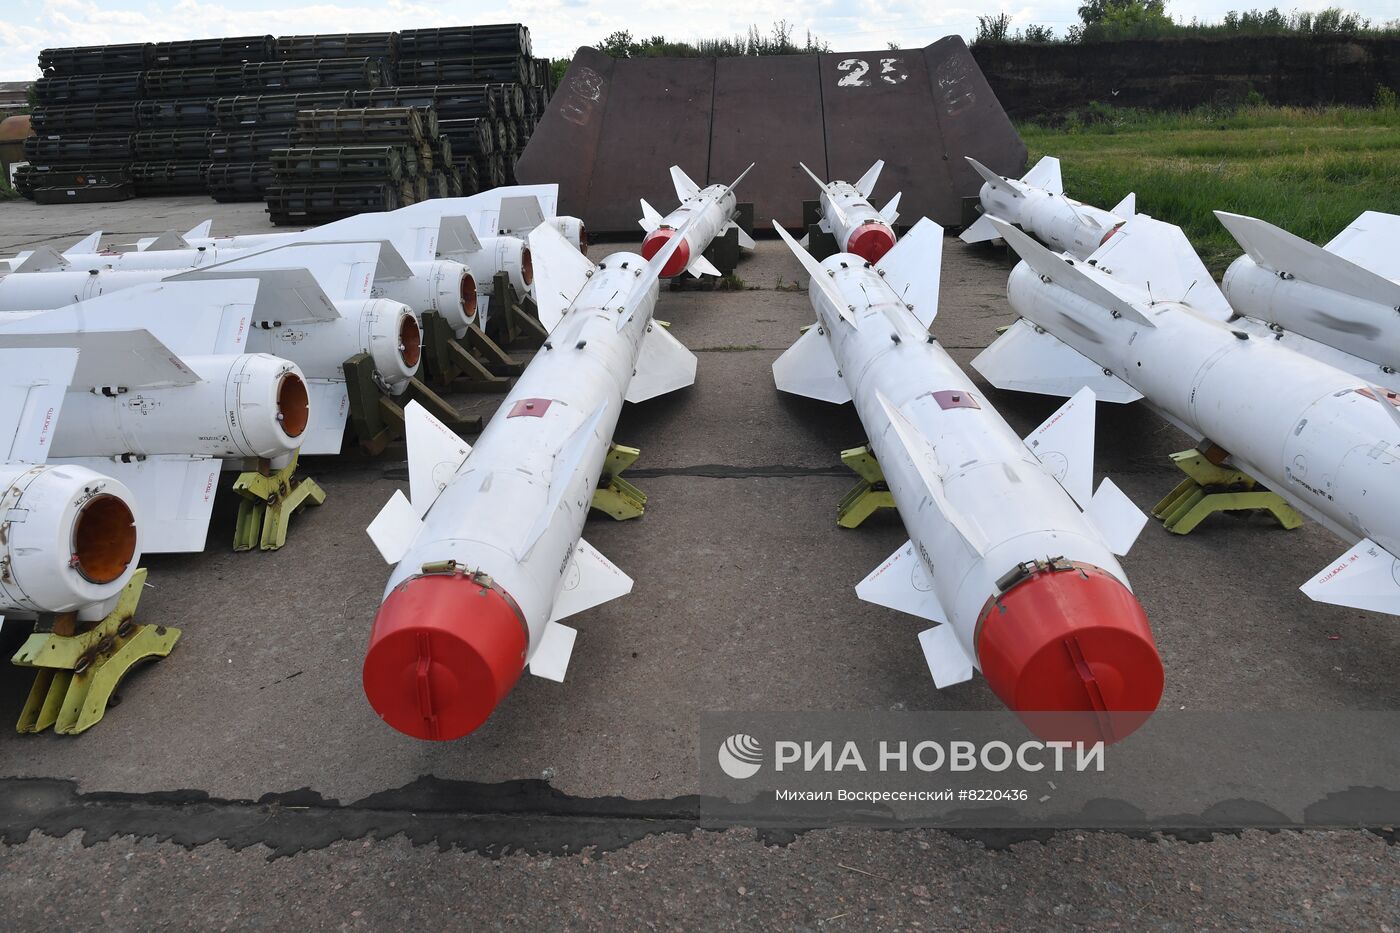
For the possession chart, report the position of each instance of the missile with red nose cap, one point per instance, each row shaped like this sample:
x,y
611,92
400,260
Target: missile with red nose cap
x,y
1037,204
1008,550
488,544
712,210
848,216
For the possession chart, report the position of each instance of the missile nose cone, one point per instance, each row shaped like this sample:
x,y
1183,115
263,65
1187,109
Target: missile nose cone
x,y
870,241
444,651
1073,642
652,245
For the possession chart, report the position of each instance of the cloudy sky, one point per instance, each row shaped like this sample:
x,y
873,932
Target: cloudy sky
x,y
557,26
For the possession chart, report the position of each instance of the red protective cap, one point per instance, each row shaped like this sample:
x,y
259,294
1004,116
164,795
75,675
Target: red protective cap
x,y
444,651
870,241
679,259
1072,641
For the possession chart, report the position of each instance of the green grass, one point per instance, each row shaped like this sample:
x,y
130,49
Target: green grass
x,y
1311,171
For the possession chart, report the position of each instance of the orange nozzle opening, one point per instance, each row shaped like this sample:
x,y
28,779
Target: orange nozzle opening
x,y
104,539
293,405
466,291
410,340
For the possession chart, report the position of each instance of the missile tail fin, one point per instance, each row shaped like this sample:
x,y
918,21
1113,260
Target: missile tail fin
x,y
685,187
520,214
200,231
913,269
890,212
948,662
33,383
1126,208
1369,241
329,409
818,275
1114,516
701,266
1282,252
561,272
809,369
651,217
132,358
812,175
745,241
435,454
1366,577
590,580
735,183
664,364
551,656
980,231
1064,444
901,583
995,180
41,259
88,244
1045,174
868,181
1025,359
456,235
167,240
395,527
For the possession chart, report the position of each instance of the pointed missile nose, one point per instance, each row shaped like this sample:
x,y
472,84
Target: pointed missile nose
x,y
1070,650
870,241
444,651
652,245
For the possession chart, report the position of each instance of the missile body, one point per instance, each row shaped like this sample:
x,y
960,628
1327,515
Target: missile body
x,y
1037,204
1343,296
1323,439
848,216
1024,585
488,551
706,213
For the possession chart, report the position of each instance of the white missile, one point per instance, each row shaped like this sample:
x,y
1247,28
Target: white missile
x,y
712,209
315,308
848,215
1339,303
487,546
1037,204
1142,318
1008,551
69,538
163,394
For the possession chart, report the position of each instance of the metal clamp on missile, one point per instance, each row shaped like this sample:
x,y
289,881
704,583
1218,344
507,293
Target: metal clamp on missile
x,y
1210,487
615,495
869,495
78,668
270,497
518,324
378,420
475,362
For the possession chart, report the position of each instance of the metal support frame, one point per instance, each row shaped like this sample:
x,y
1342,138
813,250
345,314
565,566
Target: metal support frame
x,y
377,420
867,496
515,320
1210,487
480,365
76,672
615,495
269,500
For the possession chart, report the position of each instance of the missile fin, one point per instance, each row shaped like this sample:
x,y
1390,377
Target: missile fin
x,y
820,277
1068,275
1064,444
995,180
551,657
1045,174
167,240
301,279
329,407
589,580
395,527
435,454
1365,577
41,259
1114,516
913,269
651,217
567,460
455,235
174,497
88,244
925,460
901,583
745,241
947,660
1282,252
809,369
520,215
1126,208
735,183
1029,360
1372,241
127,358
1387,400
685,187
664,364
199,231
890,212
812,175
33,383
980,231
1157,258
701,266
561,272
867,181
